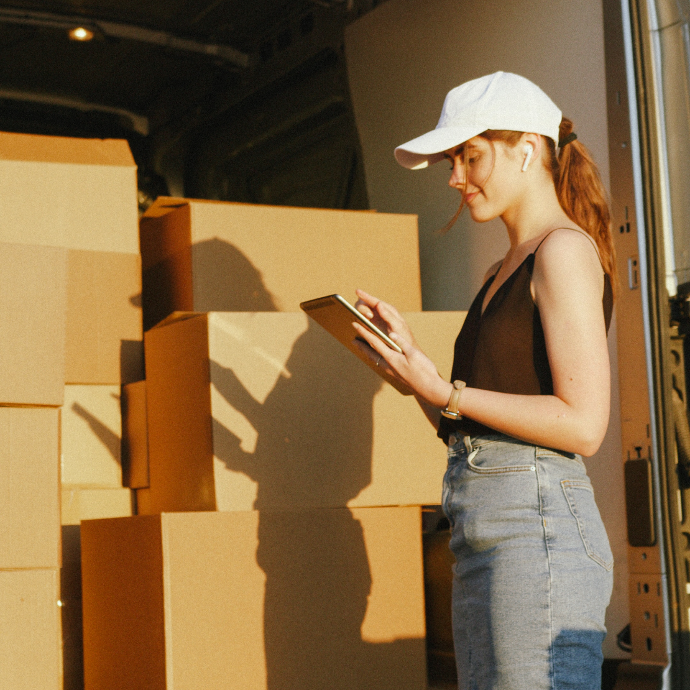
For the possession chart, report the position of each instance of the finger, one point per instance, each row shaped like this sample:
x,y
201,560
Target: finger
x,y
364,309
376,356
388,311
368,299
405,345
373,341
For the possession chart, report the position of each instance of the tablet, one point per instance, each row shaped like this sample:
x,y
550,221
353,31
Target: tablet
x,y
336,315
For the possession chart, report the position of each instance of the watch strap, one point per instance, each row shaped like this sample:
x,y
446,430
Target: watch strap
x,y
451,410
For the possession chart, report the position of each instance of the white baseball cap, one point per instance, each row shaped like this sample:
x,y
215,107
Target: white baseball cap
x,y
497,101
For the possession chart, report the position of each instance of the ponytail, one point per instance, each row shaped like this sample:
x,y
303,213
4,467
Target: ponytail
x,y
582,195
579,189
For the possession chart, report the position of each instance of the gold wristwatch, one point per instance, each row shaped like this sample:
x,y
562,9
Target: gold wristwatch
x,y
451,410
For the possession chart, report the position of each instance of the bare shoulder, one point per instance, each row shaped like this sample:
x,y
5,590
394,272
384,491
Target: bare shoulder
x,y
568,250
568,260
492,271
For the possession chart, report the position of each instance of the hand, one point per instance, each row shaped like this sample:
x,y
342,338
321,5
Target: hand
x,y
413,368
384,316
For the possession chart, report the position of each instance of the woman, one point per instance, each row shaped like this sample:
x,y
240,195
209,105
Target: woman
x,y
530,391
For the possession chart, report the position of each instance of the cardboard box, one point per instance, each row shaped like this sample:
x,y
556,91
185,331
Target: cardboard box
x,y
298,600
221,256
68,192
32,313
104,333
92,437
269,411
135,441
29,630
93,504
30,486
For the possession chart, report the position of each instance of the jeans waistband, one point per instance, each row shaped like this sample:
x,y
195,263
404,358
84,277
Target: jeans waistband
x,y
472,443
456,438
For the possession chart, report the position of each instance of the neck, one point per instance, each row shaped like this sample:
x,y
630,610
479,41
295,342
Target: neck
x,y
536,212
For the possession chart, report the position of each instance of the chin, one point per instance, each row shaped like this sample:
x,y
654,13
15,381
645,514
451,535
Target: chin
x,y
479,217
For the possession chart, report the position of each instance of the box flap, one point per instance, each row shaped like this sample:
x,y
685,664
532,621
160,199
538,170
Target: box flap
x,y
178,316
163,205
50,149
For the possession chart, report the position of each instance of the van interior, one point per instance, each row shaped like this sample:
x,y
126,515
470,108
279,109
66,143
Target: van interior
x,y
300,103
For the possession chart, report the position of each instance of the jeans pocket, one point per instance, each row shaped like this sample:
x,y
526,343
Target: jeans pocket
x,y
503,461
580,497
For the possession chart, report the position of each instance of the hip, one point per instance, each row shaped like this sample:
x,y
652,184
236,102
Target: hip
x,y
499,491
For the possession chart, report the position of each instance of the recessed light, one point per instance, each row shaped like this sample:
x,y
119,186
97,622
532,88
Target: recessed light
x,y
81,33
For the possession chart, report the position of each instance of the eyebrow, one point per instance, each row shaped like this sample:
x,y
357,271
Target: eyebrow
x,y
460,150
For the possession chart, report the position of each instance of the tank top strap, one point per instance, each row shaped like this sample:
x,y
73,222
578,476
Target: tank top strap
x,y
582,232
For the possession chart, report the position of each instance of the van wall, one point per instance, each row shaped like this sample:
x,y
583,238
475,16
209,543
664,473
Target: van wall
x,y
402,59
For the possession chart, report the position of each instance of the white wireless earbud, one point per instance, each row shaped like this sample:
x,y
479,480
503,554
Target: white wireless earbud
x,y
529,150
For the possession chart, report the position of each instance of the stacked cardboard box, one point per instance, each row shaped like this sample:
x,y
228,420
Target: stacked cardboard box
x,y
279,514
32,308
70,314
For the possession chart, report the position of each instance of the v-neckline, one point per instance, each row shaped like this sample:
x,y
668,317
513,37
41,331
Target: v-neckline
x,y
490,282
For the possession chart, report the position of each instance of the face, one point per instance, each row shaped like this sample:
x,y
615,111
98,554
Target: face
x,y
486,173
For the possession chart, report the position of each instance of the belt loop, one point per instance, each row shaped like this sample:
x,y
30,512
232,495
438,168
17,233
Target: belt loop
x,y
468,443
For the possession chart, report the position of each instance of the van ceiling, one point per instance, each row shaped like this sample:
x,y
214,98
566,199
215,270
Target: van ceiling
x,y
143,51
159,72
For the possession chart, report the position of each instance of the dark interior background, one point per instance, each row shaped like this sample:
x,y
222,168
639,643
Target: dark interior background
x,y
238,100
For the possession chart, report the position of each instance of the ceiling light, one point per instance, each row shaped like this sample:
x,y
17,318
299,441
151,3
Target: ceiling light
x,y
81,33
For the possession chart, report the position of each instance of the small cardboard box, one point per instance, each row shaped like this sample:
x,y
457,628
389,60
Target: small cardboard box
x,y
221,256
135,440
92,437
104,332
68,192
32,313
298,600
30,485
269,411
92,504
29,630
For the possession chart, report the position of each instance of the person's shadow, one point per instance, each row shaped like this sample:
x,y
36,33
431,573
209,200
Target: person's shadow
x,y
313,449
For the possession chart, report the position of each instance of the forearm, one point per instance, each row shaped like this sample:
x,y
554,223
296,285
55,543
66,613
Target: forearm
x,y
433,414
545,420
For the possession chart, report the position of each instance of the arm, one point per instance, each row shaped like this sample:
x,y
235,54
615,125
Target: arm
x,y
568,287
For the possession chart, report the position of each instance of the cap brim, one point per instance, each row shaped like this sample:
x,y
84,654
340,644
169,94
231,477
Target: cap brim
x,y
428,149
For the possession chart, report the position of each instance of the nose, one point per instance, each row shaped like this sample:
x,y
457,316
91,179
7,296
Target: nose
x,y
457,175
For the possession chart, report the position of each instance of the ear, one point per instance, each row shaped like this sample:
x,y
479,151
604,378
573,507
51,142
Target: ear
x,y
530,148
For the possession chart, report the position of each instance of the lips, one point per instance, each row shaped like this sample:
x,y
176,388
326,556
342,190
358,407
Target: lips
x,y
469,197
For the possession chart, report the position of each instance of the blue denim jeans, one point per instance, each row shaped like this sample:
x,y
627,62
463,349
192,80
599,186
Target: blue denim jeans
x,y
533,572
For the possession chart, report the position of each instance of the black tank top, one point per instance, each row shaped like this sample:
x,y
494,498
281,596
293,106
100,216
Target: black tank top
x,y
504,349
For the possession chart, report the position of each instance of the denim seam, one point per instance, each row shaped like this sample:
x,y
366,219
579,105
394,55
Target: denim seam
x,y
588,550
552,671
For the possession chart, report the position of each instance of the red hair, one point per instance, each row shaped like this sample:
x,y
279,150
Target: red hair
x,y
582,195
579,189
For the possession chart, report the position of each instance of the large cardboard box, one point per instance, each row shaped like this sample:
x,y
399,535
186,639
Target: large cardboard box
x,y
104,333
30,486
135,438
93,504
269,411
92,437
29,630
220,256
68,192
299,600
32,314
